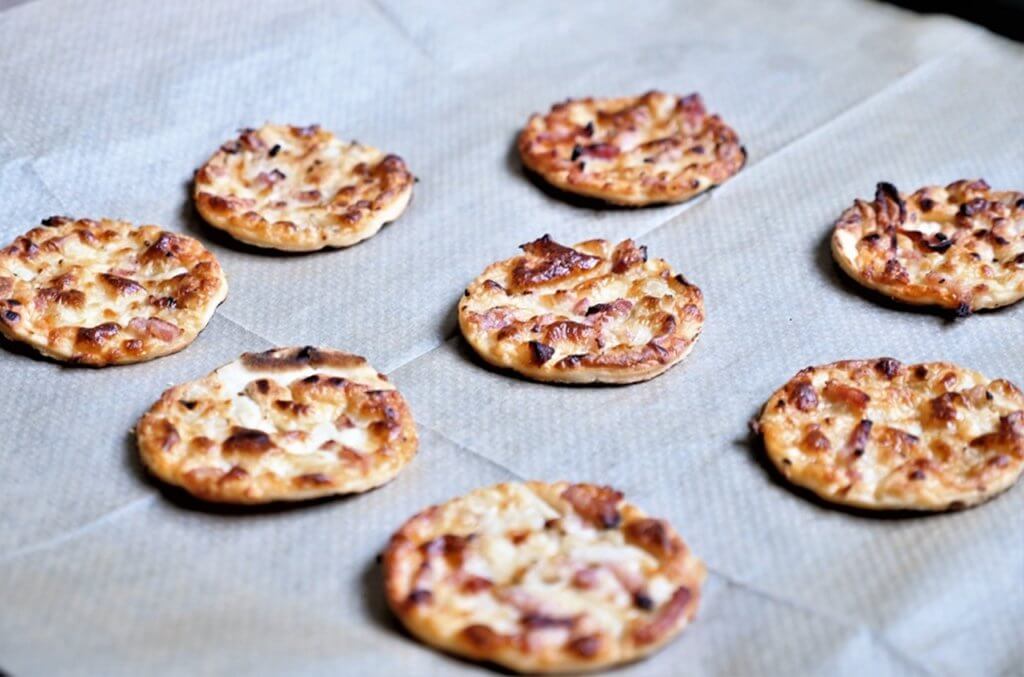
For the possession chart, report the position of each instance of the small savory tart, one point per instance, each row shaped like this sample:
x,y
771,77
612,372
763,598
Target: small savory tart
x,y
636,150
105,292
959,247
541,577
595,312
300,189
283,425
881,435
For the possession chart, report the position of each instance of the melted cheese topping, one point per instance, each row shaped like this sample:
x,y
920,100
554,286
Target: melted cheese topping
x,y
632,150
300,189
959,247
280,425
545,579
878,434
105,292
594,312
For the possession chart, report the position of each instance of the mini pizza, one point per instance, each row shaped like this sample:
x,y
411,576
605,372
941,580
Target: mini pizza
x,y
105,292
541,577
636,150
596,312
300,189
881,435
959,247
283,425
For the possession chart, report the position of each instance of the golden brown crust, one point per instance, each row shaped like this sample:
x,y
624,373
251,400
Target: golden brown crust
x,y
300,189
881,435
283,425
593,312
958,247
104,292
542,577
635,150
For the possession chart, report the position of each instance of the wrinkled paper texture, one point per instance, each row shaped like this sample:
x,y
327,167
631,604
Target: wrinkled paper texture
x,y
107,108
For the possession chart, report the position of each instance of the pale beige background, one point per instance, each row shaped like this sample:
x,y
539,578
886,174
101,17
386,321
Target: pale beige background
x,y
106,108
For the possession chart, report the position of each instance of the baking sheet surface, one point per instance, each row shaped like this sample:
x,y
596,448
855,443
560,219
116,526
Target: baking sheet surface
x,y
107,108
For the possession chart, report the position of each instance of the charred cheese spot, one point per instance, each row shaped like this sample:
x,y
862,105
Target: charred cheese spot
x,y
247,441
801,394
841,393
167,436
665,619
483,638
540,352
90,338
814,441
587,646
654,536
236,472
121,285
597,505
547,261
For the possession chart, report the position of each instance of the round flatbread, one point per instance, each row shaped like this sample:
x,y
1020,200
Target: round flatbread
x,y
878,434
595,312
300,189
635,150
105,292
958,247
542,577
283,425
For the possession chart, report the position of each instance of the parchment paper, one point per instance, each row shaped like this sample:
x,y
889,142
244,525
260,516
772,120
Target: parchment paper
x,y
107,108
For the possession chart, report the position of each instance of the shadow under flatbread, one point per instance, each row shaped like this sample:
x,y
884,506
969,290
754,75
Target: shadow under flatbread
x,y
753,444
467,353
22,349
376,607
831,270
374,601
516,167
197,227
181,499
133,463
25,350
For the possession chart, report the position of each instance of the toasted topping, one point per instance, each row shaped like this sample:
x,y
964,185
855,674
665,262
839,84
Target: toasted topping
x,y
592,312
888,436
837,392
549,261
290,359
654,536
632,150
300,189
247,441
539,577
286,424
667,617
960,247
540,352
801,394
597,505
